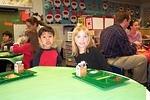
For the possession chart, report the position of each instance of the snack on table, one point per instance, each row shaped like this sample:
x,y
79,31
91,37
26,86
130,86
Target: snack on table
x,y
11,76
117,79
141,50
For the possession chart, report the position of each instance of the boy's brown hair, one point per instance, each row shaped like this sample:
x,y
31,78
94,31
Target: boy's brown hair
x,y
46,29
7,33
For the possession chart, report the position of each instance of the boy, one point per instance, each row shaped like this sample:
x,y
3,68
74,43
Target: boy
x,y
46,55
6,41
5,46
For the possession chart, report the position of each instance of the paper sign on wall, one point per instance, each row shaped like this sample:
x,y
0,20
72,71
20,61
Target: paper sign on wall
x,y
94,23
109,22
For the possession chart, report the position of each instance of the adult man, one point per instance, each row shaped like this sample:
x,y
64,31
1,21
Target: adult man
x,y
119,51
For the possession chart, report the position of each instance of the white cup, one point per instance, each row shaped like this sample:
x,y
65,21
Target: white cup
x,y
5,48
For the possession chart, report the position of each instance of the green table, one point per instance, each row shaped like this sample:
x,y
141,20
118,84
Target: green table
x,y
10,56
57,83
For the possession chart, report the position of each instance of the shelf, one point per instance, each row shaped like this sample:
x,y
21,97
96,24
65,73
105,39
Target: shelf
x,y
15,6
145,39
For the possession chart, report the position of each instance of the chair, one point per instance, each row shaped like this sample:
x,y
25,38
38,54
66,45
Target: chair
x,y
117,70
122,71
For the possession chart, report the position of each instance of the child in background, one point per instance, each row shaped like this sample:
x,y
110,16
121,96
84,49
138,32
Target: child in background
x,y
83,49
26,45
46,55
32,23
5,45
7,41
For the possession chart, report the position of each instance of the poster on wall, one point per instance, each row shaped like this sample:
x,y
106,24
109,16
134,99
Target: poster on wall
x,y
88,23
18,29
94,22
98,23
108,22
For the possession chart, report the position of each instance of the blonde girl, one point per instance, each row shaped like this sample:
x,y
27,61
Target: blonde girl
x,y
83,49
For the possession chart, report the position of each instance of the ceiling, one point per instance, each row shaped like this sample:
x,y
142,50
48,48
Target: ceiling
x,y
133,1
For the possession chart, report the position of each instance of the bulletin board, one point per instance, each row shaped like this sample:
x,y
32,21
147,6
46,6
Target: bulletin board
x,y
7,19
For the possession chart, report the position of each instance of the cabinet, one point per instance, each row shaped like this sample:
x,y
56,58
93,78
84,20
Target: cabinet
x,y
67,48
69,59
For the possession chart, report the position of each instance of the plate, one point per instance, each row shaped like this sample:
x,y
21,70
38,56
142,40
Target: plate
x,y
102,79
11,75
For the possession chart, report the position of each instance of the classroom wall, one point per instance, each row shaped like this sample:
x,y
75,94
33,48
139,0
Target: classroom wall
x,y
37,6
145,14
92,7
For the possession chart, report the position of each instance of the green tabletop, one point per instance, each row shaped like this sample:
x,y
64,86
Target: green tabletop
x,y
57,83
10,56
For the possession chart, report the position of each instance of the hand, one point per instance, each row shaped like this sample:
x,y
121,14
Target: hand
x,y
43,45
19,40
11,48
138,44
40,43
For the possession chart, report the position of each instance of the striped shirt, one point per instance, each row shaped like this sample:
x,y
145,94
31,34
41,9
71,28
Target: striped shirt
x,y
114,42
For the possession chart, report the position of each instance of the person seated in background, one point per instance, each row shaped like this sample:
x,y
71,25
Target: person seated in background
x,y
32,23
83,49
46,55
26,45
5,45
7,41
119,51
134,35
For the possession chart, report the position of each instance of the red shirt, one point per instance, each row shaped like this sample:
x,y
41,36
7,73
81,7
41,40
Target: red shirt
x,y
26,50
48,58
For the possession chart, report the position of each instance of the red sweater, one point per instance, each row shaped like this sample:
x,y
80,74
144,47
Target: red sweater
x,y
26,50
48,58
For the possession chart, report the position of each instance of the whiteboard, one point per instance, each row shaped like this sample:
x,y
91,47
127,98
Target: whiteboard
x,y
109,22
18,30
98,23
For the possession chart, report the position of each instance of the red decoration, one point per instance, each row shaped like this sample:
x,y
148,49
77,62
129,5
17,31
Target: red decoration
x,y
73,17
57,16
57,3
74,4
66,3
49,17
65,13
24,15
82,5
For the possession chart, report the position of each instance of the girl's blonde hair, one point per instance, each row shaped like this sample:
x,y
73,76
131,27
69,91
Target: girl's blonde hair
x,y
77,29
